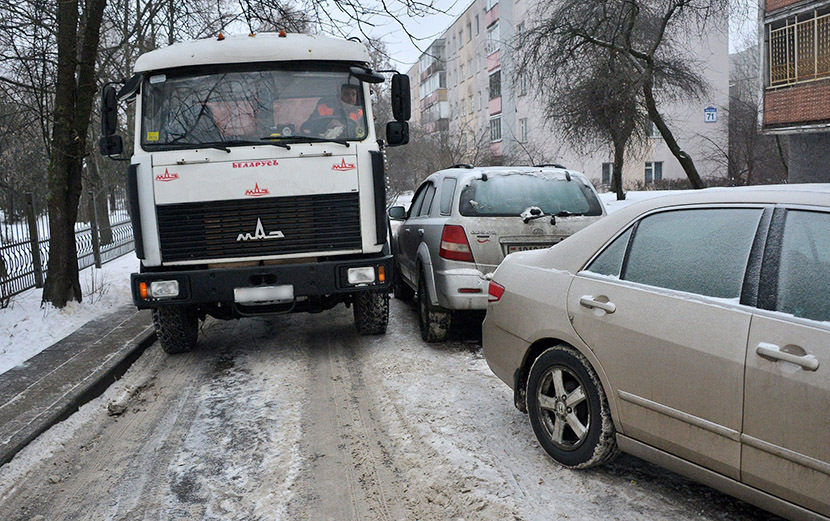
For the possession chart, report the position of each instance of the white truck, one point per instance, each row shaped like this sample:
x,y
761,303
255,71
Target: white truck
x,y
257,182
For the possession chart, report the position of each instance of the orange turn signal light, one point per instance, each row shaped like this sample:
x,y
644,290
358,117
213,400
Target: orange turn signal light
x,y
381,274
142,289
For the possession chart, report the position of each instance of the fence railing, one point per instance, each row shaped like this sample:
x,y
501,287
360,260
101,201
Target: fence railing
x,y
800,51
24,242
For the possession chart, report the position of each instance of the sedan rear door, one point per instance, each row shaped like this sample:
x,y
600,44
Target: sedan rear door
x,y
660,309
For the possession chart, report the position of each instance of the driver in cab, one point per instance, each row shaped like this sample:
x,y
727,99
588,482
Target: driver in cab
x,y
338,117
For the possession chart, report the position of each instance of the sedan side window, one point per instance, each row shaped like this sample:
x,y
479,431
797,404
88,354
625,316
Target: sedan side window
x,y
702,251
804,270
609,262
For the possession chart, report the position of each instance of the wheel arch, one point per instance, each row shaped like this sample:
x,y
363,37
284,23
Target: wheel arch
x,y
423,265
541,345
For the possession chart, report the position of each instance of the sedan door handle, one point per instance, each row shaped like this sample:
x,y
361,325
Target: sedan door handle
x,y
420,232
589,302
774,352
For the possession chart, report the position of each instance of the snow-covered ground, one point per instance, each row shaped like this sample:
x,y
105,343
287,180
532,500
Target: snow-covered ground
x,y
26,328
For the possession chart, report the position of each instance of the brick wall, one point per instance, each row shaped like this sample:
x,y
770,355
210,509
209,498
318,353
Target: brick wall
x,y
772,5
808,102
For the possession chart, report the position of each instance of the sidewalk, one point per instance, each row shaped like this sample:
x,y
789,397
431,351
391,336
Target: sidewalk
x,y
53,384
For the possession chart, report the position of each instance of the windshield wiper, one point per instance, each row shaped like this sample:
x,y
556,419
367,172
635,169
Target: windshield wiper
x,y
220,145
305,139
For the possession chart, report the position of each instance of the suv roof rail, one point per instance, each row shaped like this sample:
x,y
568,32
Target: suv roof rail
x,y
555,165
461,165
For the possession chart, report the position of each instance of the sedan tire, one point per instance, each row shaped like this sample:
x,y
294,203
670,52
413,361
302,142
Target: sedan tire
x,y
569,411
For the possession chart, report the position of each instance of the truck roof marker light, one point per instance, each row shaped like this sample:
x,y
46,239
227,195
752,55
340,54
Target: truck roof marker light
x,y
282,33
496,291
454,244
142,289
220,37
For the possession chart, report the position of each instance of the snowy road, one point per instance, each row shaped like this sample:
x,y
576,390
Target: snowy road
x,y
298,418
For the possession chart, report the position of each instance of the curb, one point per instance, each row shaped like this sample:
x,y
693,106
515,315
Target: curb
x,y
54,384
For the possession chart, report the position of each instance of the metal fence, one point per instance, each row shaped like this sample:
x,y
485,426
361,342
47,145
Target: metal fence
x,y
800,51
24,240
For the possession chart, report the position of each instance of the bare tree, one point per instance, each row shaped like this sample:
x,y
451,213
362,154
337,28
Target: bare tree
x,y
650,36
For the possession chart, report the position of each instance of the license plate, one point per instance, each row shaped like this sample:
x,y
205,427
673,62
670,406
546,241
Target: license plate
x,y
525,247
261,294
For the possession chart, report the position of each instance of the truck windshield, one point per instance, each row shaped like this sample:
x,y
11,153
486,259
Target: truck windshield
x,y
243,107
510,194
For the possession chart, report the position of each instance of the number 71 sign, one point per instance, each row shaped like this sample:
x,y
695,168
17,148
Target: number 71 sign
x,y
710,115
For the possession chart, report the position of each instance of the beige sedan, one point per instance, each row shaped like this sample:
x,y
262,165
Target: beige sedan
x,y
692,331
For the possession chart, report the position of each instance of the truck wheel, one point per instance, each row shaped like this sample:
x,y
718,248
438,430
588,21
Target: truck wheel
x,y
371,312
401,288
177,328
435,323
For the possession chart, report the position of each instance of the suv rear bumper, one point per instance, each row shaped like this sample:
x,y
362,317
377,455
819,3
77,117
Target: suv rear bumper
x,y
461,289
206,286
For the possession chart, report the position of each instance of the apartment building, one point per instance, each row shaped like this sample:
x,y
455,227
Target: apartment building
x,y
795,80
488,105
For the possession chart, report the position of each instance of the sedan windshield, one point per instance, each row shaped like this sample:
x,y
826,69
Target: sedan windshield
x,y
243,107
511,194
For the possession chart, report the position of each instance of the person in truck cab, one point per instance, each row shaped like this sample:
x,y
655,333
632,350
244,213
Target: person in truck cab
x,y
338,117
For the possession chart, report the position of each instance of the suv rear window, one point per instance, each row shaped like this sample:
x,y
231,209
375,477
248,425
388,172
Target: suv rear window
x,y
510,194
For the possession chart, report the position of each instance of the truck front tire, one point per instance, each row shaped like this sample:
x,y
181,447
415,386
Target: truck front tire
x,y
371,312
177,328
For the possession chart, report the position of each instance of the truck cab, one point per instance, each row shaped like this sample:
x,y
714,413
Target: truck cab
x,y
257,182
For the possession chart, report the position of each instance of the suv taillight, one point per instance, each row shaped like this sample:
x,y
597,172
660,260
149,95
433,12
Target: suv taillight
x,y
454,244
495,290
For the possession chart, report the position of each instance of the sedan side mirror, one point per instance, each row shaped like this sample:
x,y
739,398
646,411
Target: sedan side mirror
x,y
397,213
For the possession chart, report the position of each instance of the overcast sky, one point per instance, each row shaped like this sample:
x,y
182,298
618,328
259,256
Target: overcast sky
x,y
405,52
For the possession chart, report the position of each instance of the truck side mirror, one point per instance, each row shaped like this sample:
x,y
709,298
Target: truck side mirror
x,y
111,146
109,111
401,103
397,213
397,133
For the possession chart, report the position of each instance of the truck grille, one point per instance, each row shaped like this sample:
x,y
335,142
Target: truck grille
x,y
211,230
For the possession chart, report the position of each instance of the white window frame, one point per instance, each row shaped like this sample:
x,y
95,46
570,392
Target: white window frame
x,y
495,129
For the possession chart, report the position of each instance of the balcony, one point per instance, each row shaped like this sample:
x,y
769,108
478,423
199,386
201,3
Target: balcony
x,y
799,52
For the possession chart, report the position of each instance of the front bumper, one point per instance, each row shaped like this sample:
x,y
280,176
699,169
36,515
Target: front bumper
x,y
207,286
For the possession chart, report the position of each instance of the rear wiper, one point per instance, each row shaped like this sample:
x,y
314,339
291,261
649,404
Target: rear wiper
x,y
305,139
566,213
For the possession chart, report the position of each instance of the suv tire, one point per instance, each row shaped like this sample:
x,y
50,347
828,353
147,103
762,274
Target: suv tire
x,y
568,409
371,312
434,322
177,328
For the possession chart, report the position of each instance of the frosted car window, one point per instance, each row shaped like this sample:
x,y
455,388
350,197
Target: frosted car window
x,y
804,272
701,251
609,262
426,208
447,191
503,195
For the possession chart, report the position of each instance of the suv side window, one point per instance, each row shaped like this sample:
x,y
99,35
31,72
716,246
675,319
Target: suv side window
x,y
447,191
609,262
417,200
429,195
804,269
703,251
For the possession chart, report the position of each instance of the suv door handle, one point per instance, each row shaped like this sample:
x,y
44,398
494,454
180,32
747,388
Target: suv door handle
x,y
589,302
420,232
774,352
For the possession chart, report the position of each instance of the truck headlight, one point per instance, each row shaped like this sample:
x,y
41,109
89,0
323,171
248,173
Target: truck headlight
x,y
361,275
164,288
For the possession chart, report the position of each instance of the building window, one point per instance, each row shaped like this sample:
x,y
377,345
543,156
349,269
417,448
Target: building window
x,y
495,129
492,38
523,130
654,172
478,106
653,131
495,85
477,26
520,34
522,84
470,68
470,104
492,3
469,32
461,73
799,50
607,169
